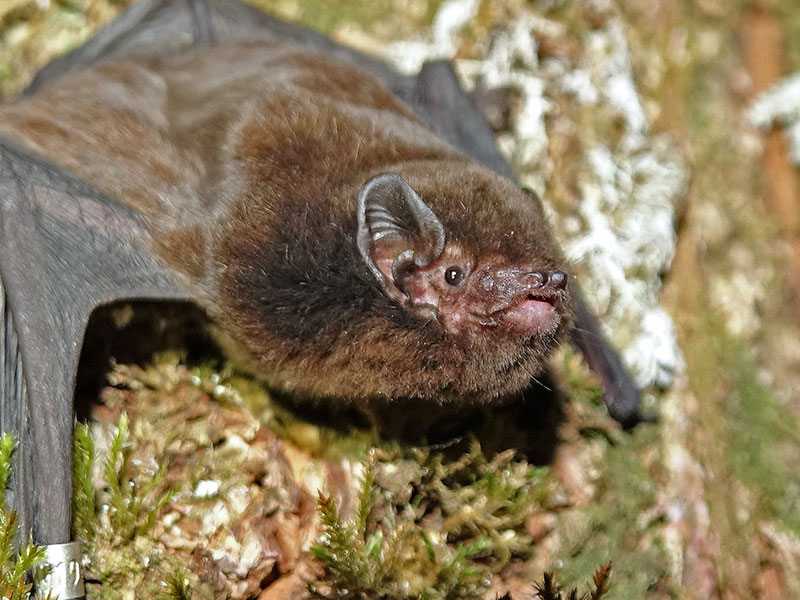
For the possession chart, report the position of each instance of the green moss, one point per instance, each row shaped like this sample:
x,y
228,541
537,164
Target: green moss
x,y
428,528
326,16
84,508
574,375
133,504
15,564
177,585
115,531
476,499
404,562
764,440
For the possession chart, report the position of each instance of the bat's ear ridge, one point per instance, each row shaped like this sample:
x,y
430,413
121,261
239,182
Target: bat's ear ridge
x,y
396,230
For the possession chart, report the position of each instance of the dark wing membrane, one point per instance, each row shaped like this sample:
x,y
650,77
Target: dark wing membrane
x,y
620,393
64,250
13,413
438,98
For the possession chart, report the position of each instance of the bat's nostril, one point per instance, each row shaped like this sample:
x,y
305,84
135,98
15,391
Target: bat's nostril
x,y
558,280
537,279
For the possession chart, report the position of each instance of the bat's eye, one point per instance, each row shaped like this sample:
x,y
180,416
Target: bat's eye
x,y
454,275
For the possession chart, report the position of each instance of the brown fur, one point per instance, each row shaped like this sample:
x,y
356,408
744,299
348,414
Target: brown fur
x,y
248,178
185,249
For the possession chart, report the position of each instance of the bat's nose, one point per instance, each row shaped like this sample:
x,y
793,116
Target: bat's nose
x,y
556,280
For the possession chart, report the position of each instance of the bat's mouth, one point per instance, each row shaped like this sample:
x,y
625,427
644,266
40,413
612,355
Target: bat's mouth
x,y
532,313
537,298
549,299
527,313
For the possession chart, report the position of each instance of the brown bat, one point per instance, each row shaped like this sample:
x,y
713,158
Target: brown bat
x,y
354,232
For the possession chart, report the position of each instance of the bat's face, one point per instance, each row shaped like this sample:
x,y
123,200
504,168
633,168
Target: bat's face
x,y
483,296
466,289
446,286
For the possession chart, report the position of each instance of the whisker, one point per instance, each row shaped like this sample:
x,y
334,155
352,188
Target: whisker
x,y
591,333
541,384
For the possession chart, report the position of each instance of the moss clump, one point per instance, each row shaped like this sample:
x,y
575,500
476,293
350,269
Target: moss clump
x,y
177,585
428,528
115,530
15,565
84,509
132,505
476,498
366,561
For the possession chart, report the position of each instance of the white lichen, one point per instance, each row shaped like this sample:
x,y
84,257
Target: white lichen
x,y
624,243
206,488
607,58
512,61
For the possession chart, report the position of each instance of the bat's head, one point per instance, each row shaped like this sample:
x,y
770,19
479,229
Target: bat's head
x,y
444,283
465,288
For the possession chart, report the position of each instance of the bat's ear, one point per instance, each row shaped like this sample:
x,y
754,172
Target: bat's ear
x,y
535,200
397,231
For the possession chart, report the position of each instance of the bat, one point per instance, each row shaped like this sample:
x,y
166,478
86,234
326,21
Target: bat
x,y
354,231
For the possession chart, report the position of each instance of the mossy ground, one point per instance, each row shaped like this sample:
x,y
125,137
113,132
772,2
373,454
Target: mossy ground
x,y
704,504
204,472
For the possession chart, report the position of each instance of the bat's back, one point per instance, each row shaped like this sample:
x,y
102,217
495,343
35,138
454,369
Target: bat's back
x,y
160,135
